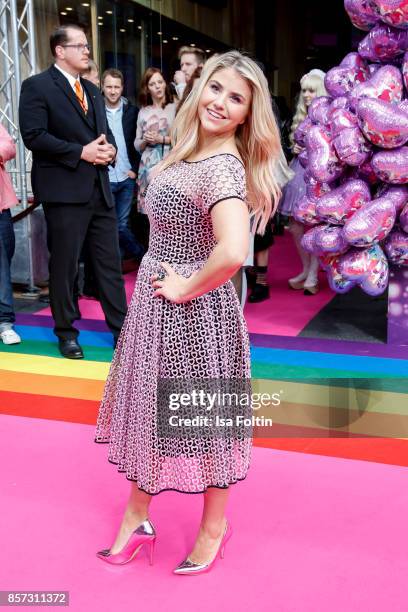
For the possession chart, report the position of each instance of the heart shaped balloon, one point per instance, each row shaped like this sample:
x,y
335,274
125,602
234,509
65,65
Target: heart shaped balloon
x,y
393,12
403,106
376,281
351,147
304,211
384,43
391,166
371,223
324,164
301,131
330,240
339,81
314,189
303,158
341,203
363,13
398,195
309,240
373,68
383,123
319,109
338,103
385,84
337,282
404,219
396,248
342,118
366,266
405,70
366,172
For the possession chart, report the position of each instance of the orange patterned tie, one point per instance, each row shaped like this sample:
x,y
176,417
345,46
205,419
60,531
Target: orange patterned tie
x,y
80,94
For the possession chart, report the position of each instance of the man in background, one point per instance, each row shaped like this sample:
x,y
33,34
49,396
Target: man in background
x,y
190,58
122,119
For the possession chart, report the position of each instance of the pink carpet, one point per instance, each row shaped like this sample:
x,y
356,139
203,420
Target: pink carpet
x,y
286,312
311,533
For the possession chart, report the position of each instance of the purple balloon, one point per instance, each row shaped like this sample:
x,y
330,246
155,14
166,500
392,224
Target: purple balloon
x,y
318,111
393,12
385,84
330,240
373,68
351,147
314,189
403,106
337,282
342,118
309,240
383,43
391,166
303,158
371,223
396,248
324,164
363,13
404,218
368,267
341,203
301,132
398,195
339,81
383,123
305,211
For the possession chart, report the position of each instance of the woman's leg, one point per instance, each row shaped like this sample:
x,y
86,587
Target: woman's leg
x,y
297,230
311,280
212,526
137,511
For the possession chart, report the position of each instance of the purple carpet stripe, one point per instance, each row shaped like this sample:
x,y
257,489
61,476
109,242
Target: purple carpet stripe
x,y
44,321
322,345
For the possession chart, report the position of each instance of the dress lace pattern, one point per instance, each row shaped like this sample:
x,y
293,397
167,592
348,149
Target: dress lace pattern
x,y
204,338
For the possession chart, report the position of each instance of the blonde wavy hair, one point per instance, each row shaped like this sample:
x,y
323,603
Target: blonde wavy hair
x,y
257,139
314,82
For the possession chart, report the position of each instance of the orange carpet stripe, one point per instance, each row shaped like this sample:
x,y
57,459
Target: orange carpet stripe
x,y
57,386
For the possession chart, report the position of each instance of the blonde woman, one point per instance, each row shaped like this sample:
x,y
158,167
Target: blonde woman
x,y
184,320
312,86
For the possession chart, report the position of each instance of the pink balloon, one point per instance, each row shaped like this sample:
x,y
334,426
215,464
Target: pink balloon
x,y
404,218
383,44
301,131
339,81
318,111
363,13
324,164
396,248
383,123
368,267
305,211
393,12
371,223
391,166
351,147
385,84
341,203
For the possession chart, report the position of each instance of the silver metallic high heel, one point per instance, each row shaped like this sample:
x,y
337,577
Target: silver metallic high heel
x,y
189,568
144,534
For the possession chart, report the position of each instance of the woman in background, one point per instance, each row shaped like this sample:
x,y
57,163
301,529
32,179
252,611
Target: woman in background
x,y
312,86
154,123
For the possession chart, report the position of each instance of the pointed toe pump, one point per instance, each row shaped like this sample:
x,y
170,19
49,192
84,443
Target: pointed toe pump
x,y
190,568
143,535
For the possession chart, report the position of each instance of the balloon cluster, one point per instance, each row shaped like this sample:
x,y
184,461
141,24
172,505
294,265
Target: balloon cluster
x,y
355,154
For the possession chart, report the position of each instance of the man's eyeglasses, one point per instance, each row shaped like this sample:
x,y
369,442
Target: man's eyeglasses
x,y
79,47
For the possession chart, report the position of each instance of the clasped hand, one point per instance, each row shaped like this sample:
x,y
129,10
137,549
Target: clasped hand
x,y
152,138
173,286
99,152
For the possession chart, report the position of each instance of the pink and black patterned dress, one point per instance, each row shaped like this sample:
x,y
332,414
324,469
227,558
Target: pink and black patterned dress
x,y
206,337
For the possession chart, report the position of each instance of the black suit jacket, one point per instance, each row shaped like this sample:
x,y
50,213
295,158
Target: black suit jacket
x,y
55,128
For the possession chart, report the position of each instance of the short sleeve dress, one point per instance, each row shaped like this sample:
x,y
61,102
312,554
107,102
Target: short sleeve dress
x,y
206,337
